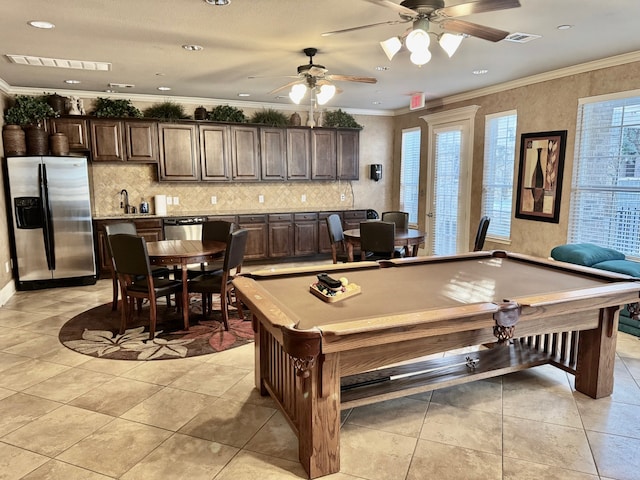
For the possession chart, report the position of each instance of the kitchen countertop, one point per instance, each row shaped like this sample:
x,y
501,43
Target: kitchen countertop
x,y
137,216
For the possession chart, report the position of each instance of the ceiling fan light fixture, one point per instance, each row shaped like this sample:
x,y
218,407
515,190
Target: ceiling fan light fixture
x,y
325,94
297,93
420,58
418,39
450,43
391,46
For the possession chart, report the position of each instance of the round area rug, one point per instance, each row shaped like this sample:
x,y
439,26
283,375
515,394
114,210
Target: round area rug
x,y
95,333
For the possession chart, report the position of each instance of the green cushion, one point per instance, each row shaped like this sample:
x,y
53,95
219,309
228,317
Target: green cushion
x,y
586,254
620,266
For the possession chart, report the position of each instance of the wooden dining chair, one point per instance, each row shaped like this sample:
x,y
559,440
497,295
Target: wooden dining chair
x,y
130,229
378,239
336,238
135,276
220,281
481,234
219,231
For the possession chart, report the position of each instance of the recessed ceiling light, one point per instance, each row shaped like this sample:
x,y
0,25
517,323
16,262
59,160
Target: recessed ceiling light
x,y
564,27
72,82
376,102
244,94
110,91
164,89
192,48
41,24
218,2
480,71
382,68
160,74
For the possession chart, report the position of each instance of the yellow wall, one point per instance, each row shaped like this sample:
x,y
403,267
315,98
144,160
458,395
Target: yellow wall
x,y
545,106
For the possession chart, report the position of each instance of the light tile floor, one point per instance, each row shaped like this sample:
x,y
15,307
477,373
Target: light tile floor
x,y
68,416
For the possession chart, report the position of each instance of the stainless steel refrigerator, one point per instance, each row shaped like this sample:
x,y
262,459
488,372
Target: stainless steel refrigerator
x,y
49,209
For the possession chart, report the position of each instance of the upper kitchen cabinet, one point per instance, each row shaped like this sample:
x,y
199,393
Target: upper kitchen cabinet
x,y
298,154
106,141
347,154
75,128
273,151
323,154
245,153
215,152
179,151
141,141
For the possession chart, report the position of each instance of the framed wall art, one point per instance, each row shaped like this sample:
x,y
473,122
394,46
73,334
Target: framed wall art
x,y
540,176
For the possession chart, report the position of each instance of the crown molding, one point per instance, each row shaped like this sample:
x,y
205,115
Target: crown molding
x,y
530,80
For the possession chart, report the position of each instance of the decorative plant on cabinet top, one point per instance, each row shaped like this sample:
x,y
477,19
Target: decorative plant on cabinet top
x,y
29,110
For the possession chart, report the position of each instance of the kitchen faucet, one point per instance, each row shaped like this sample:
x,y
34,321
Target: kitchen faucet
x,y
124,201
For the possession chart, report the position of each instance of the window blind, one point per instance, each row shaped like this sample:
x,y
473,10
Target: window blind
x,y
605,190
447,184
410,173
497,176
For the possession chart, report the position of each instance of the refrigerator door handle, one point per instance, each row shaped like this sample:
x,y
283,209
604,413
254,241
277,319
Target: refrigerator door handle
x,y
49,245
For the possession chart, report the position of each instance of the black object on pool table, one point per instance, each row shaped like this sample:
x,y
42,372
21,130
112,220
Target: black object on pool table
x,y
329,282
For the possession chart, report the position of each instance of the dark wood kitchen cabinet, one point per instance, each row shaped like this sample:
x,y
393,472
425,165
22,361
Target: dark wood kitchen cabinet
x,y
306,234
281,235
258,236
352,218
215,152
75,128
298,154
245,153
324,243
106,140
347,154
323,154
141,141
273,152
179,151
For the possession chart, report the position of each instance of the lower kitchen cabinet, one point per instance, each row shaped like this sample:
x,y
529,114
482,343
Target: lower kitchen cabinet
x,y
149,228
352,218
257,239
281,235
324,242
305,234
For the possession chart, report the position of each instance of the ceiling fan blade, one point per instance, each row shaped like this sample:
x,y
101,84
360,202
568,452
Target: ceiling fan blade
x,y
474,29
361,27
273,76
404,11
351,78
284,87
477,7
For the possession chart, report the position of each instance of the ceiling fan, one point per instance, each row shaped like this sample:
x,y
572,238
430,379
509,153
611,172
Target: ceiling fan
x,y
316,78
424,13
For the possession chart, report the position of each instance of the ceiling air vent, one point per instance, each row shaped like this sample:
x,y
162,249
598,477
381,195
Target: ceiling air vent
x,y
59,63
521,37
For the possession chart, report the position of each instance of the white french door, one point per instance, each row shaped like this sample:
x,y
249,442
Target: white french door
x,y
449,160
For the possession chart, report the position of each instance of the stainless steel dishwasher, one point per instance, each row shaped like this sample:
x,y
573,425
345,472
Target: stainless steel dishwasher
x,y
183,228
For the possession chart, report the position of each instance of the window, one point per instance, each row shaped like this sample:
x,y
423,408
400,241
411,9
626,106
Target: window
x,y
497,178
410,173
605,190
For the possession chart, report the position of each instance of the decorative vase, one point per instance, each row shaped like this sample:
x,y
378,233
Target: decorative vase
x,y
200,113
13,139
58,103
37,140
537,185
59,144
295,120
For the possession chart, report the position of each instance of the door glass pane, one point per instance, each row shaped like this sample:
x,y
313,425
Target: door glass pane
x,y
446,188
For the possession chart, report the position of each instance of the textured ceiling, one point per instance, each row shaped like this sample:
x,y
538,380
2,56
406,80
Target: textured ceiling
x,y
142,40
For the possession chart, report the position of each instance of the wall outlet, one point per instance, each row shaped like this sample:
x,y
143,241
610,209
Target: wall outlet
x,y
303,198
214,199
260,198
169,200
343,197
176,201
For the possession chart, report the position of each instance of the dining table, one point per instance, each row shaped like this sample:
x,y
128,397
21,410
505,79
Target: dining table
x,y
182,253
410,239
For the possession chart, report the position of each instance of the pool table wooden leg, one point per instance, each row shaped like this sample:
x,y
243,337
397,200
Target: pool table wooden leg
x,y
319,428
596,356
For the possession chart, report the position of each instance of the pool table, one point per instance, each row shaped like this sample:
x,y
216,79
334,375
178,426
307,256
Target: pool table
x,y
316,357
